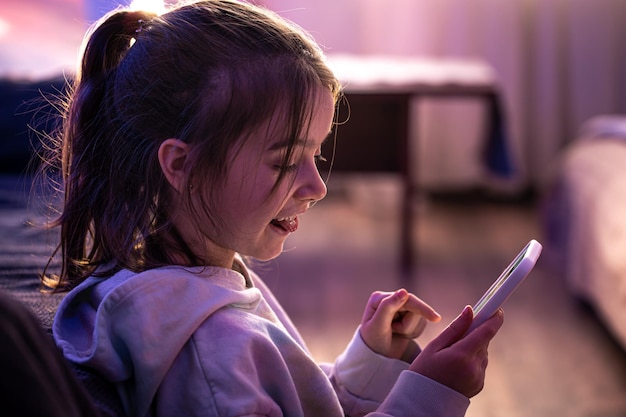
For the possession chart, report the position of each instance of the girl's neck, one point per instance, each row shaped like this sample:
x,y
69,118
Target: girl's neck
x,y
226,260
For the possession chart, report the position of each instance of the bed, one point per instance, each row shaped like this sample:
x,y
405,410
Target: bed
x,y
25,246
585,219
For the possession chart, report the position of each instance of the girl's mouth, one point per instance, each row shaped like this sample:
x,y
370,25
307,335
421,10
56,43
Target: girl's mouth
x,y
289,224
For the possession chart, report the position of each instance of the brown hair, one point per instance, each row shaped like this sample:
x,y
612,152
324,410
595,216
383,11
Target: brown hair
x,y
208,73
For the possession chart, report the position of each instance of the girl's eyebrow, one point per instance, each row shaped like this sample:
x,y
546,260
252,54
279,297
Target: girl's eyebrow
x,y
299,142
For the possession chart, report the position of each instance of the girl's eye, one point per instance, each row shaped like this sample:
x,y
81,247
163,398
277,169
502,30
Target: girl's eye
x,y
293,167
286,168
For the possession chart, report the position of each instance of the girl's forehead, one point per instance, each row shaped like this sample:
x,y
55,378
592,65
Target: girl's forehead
x,y
316,125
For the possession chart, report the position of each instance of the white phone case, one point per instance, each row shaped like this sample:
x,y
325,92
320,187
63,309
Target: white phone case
x,y
506,283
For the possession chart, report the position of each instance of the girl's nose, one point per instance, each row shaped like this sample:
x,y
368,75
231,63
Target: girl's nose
x,y
312,187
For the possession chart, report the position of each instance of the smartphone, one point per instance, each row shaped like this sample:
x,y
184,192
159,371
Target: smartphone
x,y
506,283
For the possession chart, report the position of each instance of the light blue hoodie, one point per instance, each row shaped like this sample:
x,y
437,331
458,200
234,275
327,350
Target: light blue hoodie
x,y
209,341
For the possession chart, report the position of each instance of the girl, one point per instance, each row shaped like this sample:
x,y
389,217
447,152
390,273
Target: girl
x,y
191,141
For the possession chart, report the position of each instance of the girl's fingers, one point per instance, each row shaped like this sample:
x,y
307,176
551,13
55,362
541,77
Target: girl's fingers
x,y
454,332
422,309
410,329
478,338
486,331
401,312
412,317
386,309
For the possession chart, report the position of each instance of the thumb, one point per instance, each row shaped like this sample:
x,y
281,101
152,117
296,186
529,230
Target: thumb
x,y
454,332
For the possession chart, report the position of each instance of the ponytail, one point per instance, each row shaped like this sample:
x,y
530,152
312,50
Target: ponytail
x,y
109,41
107,44
87,158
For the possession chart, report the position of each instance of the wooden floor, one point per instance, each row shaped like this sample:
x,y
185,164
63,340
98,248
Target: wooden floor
x,y
551,358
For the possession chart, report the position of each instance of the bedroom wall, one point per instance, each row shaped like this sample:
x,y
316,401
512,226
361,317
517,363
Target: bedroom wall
x,y
559,62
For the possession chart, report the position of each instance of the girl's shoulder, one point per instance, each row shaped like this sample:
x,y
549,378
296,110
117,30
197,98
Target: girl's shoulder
x,y
248,362
137,311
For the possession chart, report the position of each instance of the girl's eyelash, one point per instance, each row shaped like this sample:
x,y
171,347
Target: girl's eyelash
x,y
287,168
290,168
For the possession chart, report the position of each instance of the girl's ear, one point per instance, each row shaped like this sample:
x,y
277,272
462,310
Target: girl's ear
x,y
172,158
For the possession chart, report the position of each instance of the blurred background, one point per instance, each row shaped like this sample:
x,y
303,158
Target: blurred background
x,y
553,128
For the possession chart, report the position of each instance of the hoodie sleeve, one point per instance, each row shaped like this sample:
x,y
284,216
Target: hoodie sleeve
x,y
366,381
363,378
415,395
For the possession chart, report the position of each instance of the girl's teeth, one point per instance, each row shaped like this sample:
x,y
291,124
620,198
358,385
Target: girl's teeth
x,y
288,223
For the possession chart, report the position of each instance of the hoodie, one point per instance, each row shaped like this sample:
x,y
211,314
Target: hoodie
x,y
209,341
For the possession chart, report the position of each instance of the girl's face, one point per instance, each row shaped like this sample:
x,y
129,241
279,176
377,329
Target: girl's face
x,y
257,218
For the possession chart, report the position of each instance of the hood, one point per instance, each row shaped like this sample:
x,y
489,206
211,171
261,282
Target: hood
x,y
133,325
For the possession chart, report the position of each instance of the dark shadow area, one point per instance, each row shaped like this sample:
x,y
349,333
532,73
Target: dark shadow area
x,y
25,109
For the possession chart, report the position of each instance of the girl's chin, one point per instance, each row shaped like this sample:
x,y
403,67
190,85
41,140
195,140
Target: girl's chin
x,y
267,247
267,255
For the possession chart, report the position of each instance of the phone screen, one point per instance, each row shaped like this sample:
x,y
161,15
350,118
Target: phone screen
x,y
500,281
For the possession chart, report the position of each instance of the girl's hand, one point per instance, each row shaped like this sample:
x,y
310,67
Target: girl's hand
x,y
458,361
392,320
